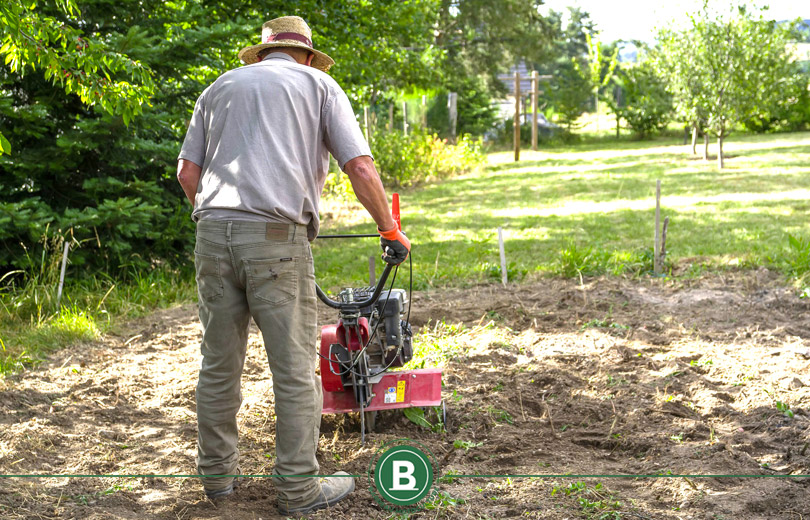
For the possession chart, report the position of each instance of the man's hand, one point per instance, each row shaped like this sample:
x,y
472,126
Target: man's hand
x,y
395,246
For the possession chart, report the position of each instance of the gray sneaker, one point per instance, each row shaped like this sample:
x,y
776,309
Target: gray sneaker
x,y
224,492
333,490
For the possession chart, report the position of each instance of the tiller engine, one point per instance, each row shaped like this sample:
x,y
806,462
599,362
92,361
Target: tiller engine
x,y
372,336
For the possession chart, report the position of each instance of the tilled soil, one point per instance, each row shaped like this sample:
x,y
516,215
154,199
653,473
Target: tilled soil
x,y
600,380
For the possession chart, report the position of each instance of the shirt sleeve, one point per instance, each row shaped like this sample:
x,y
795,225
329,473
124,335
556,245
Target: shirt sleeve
x,y
342,135
193,148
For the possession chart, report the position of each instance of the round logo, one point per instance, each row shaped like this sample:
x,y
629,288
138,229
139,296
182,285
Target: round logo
x,y
401,476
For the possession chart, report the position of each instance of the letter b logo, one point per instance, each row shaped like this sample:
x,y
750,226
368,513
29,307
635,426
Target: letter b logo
x,y
403,475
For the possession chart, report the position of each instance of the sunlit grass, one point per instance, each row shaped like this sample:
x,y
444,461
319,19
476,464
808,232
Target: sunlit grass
x,y
562,201
33,323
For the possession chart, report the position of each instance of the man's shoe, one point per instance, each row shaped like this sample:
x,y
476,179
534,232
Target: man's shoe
x,y
333,490
221,493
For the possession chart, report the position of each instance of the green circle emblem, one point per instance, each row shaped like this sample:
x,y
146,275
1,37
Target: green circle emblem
x,y
402,476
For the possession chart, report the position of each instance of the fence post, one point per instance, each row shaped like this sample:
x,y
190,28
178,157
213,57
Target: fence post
x,y
452,108
656,259
405,117
517,116
62,273
535,81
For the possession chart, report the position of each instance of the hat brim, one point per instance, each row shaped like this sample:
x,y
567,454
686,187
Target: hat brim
x,y
320,61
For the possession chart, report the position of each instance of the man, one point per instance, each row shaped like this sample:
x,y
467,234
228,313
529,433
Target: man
x,y
253,165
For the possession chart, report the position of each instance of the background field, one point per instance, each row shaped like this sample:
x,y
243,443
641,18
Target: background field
x,y
590,208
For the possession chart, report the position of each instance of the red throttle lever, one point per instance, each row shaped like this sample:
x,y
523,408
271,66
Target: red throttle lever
x,y
394,243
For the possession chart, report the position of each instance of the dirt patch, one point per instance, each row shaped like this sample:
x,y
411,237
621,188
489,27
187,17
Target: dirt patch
x,y
613,377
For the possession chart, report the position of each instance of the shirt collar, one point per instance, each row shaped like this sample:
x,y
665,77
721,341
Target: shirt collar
x,y
279,56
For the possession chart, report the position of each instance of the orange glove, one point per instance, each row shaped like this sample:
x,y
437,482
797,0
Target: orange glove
x,y
395,246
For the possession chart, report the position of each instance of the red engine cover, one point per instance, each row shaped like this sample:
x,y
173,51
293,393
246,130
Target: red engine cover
x,y
338,334
330,382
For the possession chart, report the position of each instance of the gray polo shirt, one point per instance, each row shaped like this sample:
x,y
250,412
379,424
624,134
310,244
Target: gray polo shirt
x,y
262,134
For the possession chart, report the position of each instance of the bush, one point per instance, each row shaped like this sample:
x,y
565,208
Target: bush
x,y
648,105
404,160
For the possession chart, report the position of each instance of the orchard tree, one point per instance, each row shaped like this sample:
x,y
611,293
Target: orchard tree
x,y
739,62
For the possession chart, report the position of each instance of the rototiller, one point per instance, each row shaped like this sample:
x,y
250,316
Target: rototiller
x,y
371,337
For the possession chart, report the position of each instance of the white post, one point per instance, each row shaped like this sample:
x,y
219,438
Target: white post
x,y
656,252
405,117
503,256
62,274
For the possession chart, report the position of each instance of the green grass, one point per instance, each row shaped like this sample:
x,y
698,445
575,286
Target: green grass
x,y
575,210
584,209
32,325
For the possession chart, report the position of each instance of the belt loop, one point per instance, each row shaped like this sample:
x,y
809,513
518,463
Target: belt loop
x,y
228,231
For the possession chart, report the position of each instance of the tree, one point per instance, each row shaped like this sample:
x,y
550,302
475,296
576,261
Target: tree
x,y
85,66
483,38
79,169
647,104
600,69
738,63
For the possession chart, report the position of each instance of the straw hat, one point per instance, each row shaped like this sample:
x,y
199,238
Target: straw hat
x,y
287,31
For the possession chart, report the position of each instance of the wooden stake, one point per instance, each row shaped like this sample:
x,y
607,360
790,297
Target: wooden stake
x,y
62,274
503,256
535,81
517,116
452,104
656,259
405,118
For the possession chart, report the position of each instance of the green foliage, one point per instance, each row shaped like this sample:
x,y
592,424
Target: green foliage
x,y
477,114
84,167
482,38
785,409
577,261
88,66
404,160
570,93
727,67
420,418
647,106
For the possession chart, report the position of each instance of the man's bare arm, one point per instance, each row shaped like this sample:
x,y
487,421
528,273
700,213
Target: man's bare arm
x,y
369,190
188,175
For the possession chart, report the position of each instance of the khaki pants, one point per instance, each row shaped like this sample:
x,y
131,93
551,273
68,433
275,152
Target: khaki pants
x,y
264,271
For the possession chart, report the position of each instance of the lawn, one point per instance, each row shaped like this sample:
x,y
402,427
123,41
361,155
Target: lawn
x,y
589,208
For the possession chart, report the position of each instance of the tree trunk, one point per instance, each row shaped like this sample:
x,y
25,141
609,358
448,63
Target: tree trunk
x,y
720,151
694,139
618,121
706,146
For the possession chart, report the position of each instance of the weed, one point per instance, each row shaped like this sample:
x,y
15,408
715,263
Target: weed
x,y
500,415
443,501
785,409
449,477
592,501
466,445
420,418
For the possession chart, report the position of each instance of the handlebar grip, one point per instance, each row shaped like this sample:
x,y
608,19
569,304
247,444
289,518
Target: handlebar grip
x,y
356,305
